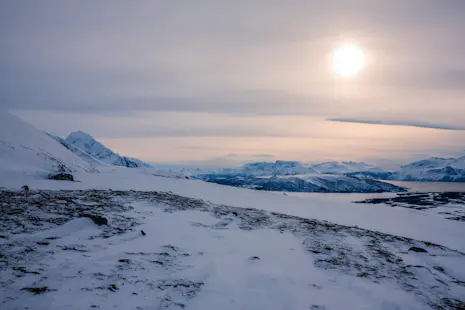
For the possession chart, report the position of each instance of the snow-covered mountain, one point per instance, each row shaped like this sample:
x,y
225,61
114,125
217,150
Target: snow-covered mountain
x,y
88,158
312,183
87,144
344,167
280,167
433,169
25,149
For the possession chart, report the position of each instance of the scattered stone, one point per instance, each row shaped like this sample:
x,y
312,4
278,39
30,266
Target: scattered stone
x,y
43,243
113,287
143,233
3,237
23,270
76,248
157,262
61,177
171,247
254,258
438,268
125,260
36,290
418,250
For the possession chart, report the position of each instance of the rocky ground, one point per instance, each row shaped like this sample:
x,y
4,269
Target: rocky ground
x,y
97,248
451,205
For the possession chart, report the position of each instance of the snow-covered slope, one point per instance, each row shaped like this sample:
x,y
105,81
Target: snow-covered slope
x,y
197,255
343,167
308,183
433,169
25,149
280,167
86,143
88,158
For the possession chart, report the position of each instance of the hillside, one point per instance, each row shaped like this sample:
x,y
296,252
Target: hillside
x,y
84,142
25,149
280,167
433,169
345,167
307,184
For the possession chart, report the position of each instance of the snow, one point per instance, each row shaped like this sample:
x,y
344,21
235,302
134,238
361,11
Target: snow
x,y
306,183
433,169
334,208
192,259
345,167
206,246
280,167
26,150
84,142
76,150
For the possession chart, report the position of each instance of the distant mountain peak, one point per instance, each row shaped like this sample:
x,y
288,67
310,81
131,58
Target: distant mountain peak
x,y
433,169
89,145
343,167
79,135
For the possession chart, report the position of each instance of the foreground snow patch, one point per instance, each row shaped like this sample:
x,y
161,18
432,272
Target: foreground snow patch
x,y
198,255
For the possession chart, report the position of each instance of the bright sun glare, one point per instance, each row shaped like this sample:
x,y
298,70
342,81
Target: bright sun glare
x,y
348,60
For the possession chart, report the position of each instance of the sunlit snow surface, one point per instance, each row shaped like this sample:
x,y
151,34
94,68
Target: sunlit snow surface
x,y
199,255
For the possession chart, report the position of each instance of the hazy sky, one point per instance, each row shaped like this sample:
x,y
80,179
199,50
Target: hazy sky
x,y
229,81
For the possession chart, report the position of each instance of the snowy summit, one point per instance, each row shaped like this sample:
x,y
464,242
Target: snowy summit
x,y
92,147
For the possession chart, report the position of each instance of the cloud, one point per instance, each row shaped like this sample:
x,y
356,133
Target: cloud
x,y
397,123
113,92
113,69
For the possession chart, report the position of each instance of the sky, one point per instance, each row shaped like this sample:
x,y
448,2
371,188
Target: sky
x,y
220,82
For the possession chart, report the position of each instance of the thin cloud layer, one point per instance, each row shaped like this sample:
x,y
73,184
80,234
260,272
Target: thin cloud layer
x,y
397,123
237,70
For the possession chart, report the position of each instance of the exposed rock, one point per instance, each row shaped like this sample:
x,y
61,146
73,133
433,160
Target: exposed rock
x,y
36,290
61,177
418,250
97,219
113,287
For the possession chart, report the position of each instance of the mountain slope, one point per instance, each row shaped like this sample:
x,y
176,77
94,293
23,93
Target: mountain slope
x,y
433,169
87,144
88,158
280,167
345,167
25,149
308,184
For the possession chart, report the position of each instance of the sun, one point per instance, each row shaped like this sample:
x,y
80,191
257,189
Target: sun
x,y
348,60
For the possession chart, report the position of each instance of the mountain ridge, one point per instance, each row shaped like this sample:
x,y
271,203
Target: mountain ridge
x,y
88,144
